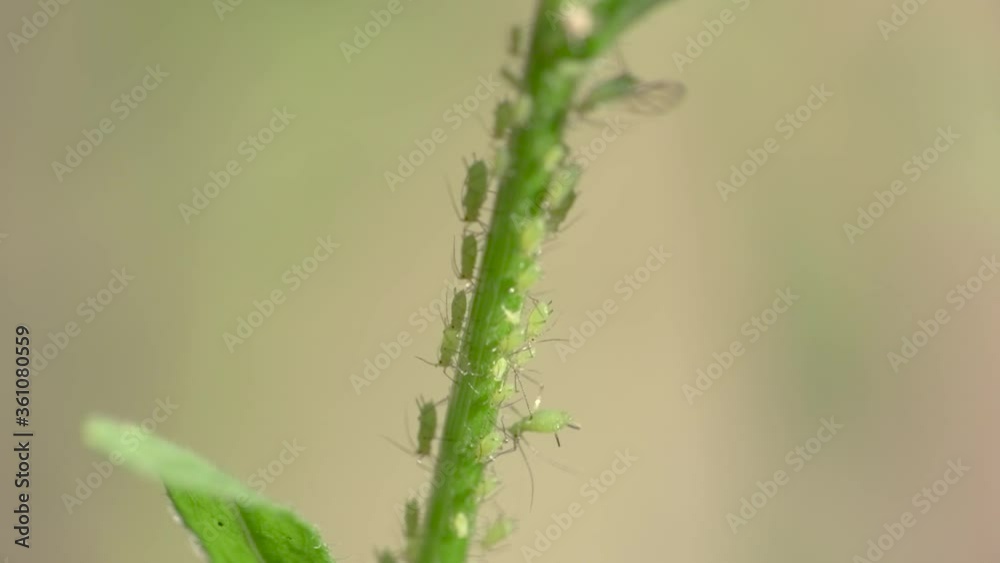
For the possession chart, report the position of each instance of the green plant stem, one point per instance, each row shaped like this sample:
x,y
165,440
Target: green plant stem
x,y
553,71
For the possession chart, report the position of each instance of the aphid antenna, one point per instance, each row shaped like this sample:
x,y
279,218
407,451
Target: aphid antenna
x,y
428,362
547,340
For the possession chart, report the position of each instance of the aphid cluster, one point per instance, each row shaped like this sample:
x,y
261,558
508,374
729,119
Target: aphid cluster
x,y
524,319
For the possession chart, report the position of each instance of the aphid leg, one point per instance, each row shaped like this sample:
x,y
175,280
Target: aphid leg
x,y
401,447
486,127
570,224
531,475
452,198
518,374
511,78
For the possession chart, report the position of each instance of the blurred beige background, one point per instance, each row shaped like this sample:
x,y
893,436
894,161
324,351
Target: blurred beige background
x,y
160,338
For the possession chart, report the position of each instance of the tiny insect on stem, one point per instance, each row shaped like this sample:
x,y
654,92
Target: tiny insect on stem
x,y
459,304
496,532
476,183
427,426
515,41
470,250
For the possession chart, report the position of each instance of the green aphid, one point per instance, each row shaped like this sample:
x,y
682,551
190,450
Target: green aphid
x,y
450,341
558,214
562,184
411,519
646,97
489,485
426,427
537,319
542,421
503,119
516,41
498,531
500,368
561,195
512,341
501,161
459,304
489,445
533,235
470,250
412,552
502,394
531,272
512,316
522,111
385,556
512,306
524,354
510,114
476,183
554,158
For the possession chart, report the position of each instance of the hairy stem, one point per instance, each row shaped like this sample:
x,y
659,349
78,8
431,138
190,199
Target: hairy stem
x,y
563,43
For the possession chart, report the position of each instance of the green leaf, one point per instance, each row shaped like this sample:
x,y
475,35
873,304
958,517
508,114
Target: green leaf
x,y
232,523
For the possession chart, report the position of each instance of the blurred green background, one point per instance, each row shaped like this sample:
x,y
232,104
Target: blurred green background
x,y
222,74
